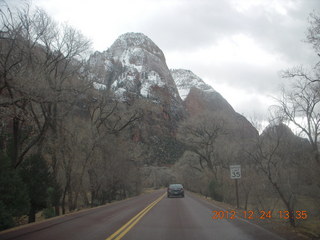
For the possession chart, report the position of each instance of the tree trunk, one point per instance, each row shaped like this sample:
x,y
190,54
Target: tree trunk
x,y
317,156
75,201
93,198
15,131
287,204
57,210
32,215
246,200
63,203
85,198
70,200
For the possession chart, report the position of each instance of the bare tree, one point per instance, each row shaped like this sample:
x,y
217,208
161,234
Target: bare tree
x,y
313,36
300,104
39,67
200,135
40,80
276,155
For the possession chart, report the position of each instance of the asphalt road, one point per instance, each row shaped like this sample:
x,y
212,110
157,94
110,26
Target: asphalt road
x,y
149,216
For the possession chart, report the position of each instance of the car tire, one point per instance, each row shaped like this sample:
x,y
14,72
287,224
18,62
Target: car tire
x,y
168,196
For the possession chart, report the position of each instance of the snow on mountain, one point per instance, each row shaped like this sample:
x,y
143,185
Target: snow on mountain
x,y
138,42
134,64
185,80
99,86
153,79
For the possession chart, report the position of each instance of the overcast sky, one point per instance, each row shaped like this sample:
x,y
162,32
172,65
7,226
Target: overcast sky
x,y
236,46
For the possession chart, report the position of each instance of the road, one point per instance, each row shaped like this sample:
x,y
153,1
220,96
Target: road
x,y
149,216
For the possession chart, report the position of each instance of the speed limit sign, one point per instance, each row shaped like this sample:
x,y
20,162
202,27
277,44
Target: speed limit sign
x,y
235,171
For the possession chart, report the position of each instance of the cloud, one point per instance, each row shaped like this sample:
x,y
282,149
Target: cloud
x,y
237,61
187,25
277,25
192,24
242,44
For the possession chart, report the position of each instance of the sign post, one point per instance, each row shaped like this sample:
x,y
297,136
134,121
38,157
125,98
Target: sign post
x,y
235,173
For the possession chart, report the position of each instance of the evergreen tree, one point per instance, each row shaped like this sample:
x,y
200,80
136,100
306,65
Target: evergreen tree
x,y
35,174
14,199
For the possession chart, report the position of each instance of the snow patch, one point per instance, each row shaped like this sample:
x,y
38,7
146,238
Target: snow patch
x,y
99,86
153,79
120,93
133,55
185,80
183,93
145,90
108,66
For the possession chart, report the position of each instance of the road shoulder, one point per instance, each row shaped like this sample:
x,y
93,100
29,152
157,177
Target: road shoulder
x,y
279,228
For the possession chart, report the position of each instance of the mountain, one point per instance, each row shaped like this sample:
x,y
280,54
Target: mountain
x,y
200,98
134,69
197,95
281,131
185,80
135,65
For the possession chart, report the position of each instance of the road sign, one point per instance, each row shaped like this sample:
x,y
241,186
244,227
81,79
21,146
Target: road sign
x,y
235,171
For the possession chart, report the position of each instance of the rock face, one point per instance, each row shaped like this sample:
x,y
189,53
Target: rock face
x,y
134,67
200,98
197,95
198,101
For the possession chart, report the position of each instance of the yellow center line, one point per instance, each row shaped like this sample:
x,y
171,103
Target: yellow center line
x,y
133,221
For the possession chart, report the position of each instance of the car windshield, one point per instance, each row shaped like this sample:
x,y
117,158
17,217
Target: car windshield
x,y
110,117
